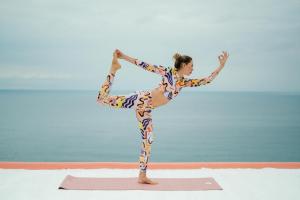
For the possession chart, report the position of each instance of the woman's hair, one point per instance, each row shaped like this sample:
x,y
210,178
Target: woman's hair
x,y
179,59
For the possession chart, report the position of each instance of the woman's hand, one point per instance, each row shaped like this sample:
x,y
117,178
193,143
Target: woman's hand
x,y
120,54
223,58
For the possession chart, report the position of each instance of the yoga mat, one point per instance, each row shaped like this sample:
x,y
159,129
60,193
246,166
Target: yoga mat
x,y
92,183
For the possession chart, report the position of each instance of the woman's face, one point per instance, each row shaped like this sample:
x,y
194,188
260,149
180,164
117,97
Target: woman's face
x,y
187,69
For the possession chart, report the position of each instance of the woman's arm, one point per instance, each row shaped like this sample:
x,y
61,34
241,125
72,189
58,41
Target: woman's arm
x,y
203,81
158,69
129,59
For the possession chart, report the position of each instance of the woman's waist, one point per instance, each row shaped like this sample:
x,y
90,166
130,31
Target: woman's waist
x,y
159,97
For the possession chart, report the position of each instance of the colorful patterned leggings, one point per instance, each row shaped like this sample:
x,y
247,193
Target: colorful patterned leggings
x,y
141,101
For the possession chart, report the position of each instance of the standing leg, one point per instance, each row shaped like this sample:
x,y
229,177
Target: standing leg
x,y
146,128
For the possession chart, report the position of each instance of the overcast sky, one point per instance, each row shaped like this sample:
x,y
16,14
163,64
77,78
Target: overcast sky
x,y
60,44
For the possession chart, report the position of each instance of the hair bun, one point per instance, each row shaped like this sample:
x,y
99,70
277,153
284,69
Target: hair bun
x,y
176,56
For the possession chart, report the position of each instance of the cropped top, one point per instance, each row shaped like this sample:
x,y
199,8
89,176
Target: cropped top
x,y
172,83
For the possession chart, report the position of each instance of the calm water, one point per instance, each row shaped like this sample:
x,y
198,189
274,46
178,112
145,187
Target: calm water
x,y
194,127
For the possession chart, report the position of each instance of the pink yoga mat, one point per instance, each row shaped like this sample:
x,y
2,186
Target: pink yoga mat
x,y
92,183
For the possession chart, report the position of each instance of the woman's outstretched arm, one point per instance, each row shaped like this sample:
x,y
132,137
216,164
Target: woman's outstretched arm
x,y
203,81
158,69
191,82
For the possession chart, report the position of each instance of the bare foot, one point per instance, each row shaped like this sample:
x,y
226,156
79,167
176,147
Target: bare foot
x,y
146,180
115,65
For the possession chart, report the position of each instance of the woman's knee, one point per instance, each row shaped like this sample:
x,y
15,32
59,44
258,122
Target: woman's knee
x,y
103,98
117,101
150,138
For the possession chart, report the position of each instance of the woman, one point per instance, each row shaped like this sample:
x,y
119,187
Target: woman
x,y
143,102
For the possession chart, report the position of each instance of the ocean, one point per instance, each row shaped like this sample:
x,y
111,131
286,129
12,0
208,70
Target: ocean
x,y
69,126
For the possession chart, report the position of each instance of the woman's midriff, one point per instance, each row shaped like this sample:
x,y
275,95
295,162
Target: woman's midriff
x,y
158,98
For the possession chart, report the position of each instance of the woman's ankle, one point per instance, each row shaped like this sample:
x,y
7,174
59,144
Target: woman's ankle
x,y
142,174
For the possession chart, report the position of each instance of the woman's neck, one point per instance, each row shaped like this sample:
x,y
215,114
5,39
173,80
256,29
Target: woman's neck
x,y
179,74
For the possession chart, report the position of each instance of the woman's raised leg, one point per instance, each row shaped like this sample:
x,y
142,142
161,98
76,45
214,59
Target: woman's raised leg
x,y
117,101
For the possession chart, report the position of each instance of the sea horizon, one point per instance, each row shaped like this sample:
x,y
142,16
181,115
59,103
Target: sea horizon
x,y
197,126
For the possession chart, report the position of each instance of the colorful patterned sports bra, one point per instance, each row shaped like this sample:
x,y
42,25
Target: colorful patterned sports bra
x,y
171,82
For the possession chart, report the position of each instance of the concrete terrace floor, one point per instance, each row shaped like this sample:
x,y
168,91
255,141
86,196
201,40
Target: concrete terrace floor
x,y
240,181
